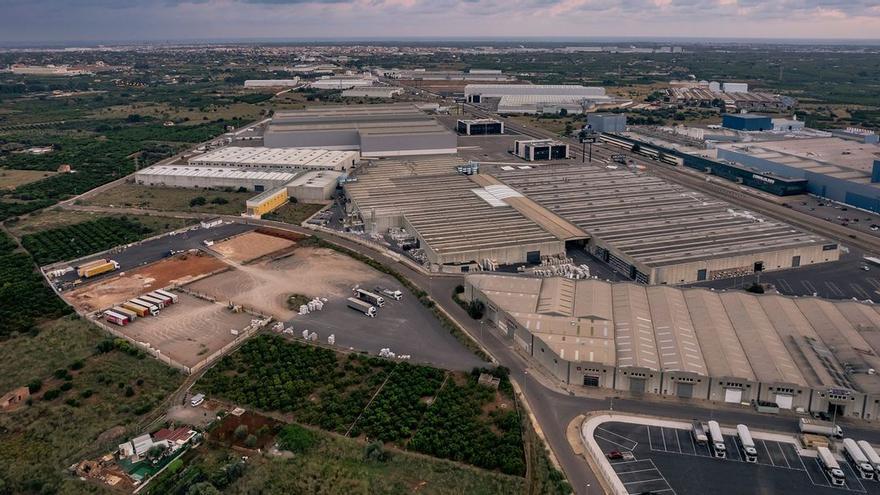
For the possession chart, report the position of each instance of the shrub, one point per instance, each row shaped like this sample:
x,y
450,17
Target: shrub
x,y
296,439
375,451
241,431
51,394
35,385
198,201
251,441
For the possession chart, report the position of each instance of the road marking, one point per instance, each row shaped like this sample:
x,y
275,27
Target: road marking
x,y
769,457
783,454
736,449
635,444
810,287
858,288
785,285
834,288
874,282
643,481
636,471
649,438
663,436
624,447
855,476
693,443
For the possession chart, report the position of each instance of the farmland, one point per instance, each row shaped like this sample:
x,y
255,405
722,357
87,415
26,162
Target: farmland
x,y
101,387
320,387
82,239
24,299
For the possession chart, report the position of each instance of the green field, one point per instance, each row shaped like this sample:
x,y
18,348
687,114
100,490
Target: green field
x,y
172,199
100,398
293,213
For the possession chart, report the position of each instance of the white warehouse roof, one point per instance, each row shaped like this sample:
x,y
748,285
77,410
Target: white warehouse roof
x,y
262,157
217,172
499,90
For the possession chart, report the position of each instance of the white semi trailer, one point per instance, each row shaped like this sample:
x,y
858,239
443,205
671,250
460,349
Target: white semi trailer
x,y
364,307
808,425
871,454
718,447
370,297
857,458
750,453
829,464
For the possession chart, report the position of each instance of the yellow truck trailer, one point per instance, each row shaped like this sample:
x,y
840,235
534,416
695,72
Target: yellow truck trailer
x,y
96,268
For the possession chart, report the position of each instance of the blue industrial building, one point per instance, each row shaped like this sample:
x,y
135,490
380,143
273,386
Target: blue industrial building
x,y
746,122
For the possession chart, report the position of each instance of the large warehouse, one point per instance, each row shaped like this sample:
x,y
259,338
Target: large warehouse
x,y
801,353
536,98
374,130
656,232
277,158
838,169
458,224
213,177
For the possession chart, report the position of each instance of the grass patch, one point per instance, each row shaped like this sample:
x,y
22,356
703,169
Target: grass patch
x,y
112,389
172,199
54,218
10,179
293,213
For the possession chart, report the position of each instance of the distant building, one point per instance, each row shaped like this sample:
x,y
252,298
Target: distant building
x,y
479,127
536,98
607,122
385,92
788,125
271,83
746,122
540,149
734,87
857,134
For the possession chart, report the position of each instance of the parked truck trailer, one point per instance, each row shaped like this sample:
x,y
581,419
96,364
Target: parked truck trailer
x,y
141,311
117,318
127,312
750,453
174,297
830,465
364,307
718,447
370,297
96,268
699,433
872,456
155,301
152,308
857,459
165,299
809,425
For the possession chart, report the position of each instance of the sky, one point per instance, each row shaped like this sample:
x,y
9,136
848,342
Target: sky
x,y
49,21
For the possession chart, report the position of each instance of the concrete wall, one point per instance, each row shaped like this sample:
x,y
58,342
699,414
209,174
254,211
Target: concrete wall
x,y
408,144
800,395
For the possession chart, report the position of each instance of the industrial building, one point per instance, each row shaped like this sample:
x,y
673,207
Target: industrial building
x,y
746,122
314,187
540,149
841,170
375,130
277,158
459,225
480,127
385,92
733,96
212,177
266,202
491,75
271,83
607,122
807,353
536,98
655,232
866,136
342,82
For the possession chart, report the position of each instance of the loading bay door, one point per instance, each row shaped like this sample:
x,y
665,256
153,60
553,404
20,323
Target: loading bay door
x,y
784,401
733,395
685,390
637,385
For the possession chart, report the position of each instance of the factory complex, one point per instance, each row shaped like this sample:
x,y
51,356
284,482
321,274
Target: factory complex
x,y
656,232
799,353
537,98
842,170
373,130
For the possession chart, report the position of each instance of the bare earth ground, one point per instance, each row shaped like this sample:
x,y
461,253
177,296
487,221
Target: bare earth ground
x,y
109,292
188,331
10,179
250,246
265,286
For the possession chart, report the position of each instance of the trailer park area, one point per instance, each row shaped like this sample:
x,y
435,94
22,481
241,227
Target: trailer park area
x,y
232,286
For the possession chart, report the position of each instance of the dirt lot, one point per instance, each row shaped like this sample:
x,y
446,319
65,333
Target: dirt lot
x,y
112,291
250,246
10,179
188,331
265,286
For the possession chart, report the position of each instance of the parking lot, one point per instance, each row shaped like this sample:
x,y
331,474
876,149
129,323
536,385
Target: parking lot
x,y
668,461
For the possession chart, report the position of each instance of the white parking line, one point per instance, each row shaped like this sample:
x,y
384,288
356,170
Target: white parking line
x,y
624,447
636,471
644,481
783,454
618,435
649,437
858,289
834,288
677,441
810,287
663,436
693,443
633,442
768,452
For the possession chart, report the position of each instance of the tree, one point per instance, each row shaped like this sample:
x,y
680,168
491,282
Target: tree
x,y
219,200
203,488
755,288
375,451
198,201
251,441
475,309
240,432
563,112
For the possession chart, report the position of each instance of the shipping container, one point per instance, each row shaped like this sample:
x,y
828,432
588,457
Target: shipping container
x,y
116,318
173,296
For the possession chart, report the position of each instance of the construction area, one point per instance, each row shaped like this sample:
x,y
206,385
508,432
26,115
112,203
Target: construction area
x,y
250,246
805,354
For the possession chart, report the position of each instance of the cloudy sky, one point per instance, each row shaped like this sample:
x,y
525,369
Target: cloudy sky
x,y
90,20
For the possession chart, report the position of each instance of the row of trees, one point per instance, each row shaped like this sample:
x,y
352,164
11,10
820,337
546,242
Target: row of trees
x,y
84,238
